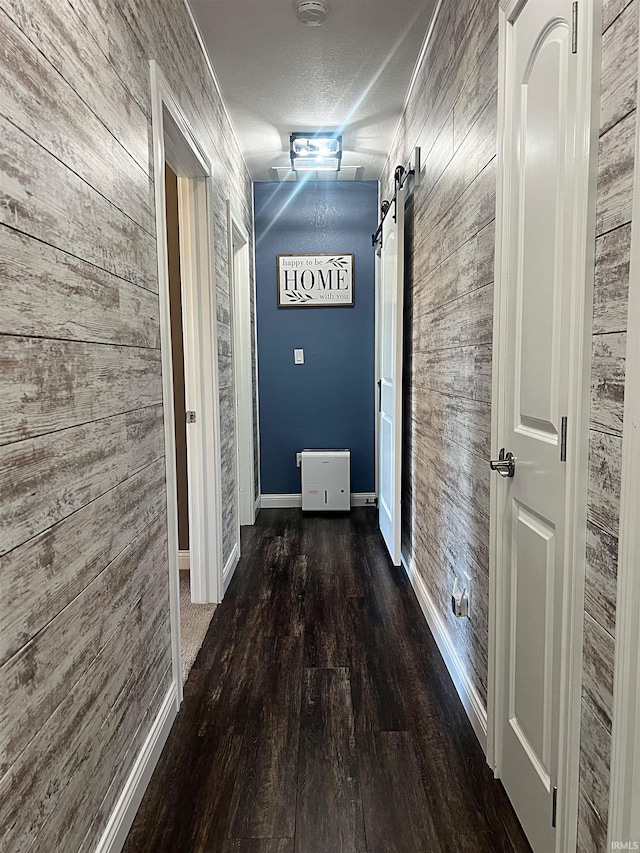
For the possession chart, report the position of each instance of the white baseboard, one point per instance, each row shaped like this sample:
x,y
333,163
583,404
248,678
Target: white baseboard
x,y
257,507
128,803
280,501
363,498
184,561
284,501
468,694
230,566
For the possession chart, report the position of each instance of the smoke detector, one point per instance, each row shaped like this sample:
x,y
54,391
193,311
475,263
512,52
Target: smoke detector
x,y
312,13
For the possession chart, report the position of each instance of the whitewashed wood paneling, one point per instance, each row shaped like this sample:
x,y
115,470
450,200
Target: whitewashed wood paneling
x,y
619,69
611,282
62,36
595,758
38,781
613,213
61,472
451,114
607,382
601,579
31,86
53,385
85,655
598,671
75,218
615,175
56,295
66,557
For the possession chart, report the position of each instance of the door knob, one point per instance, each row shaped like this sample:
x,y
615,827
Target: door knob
x,y
505,464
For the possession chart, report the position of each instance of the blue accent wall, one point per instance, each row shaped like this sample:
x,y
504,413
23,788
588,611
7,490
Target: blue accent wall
x,y
329,401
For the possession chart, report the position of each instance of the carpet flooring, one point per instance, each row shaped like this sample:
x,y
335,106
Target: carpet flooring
x,y
194,621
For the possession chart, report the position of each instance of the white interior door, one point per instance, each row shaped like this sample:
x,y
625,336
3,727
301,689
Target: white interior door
x,y
542,134
389,324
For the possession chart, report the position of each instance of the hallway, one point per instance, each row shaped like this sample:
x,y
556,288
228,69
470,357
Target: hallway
x,y
319,716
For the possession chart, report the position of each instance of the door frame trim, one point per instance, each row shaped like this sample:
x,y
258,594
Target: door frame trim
x,y
240,302
175,142
624,792
583,239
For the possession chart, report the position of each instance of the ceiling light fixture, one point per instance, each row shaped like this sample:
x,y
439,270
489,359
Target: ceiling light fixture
x,y
315,152
312,13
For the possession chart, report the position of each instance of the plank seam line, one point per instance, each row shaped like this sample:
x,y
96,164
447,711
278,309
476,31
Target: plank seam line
x,y
444,31
424,235
599,624
142,107
618,121
480,345
456,149
452,395
83,589
447,394
470,239
77,257
37,435
605,432
614,228
90,663
80,508
440,305
451,441
428,272
620,13
593,427
590,804
594,523
586,706
81,178
87,341
144,170
444,121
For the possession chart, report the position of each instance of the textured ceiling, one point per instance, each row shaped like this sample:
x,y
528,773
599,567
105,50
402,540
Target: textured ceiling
x,y
279,76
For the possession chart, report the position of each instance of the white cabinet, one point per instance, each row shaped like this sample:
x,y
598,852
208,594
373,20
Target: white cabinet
x,y
326,480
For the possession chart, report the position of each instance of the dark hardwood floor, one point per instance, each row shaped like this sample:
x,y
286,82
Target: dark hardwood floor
x,y
319,716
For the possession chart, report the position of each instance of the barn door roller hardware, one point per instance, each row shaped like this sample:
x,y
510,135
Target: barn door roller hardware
x,y
400,177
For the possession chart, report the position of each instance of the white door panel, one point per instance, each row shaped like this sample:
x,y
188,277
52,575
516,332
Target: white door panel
x,y
390,395
541,135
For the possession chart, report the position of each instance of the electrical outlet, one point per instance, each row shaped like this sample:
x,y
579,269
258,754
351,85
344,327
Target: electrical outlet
x,y
467,583
298,460
460,599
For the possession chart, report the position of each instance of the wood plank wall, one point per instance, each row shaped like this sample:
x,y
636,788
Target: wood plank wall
x,y
84,622
613,230
451,115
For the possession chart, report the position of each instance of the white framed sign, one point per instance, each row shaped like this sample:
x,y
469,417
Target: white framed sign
x,y
314,280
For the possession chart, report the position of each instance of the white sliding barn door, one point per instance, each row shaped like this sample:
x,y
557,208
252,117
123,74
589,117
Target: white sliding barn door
x,y
542,251
389,323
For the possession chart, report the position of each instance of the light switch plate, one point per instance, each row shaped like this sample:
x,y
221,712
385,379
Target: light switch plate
x,y
298,356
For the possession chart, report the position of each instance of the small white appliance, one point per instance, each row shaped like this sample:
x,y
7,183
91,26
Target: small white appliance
x,y
326,480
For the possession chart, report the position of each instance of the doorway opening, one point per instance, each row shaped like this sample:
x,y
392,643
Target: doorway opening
x,y
243,371
194,618
191,412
